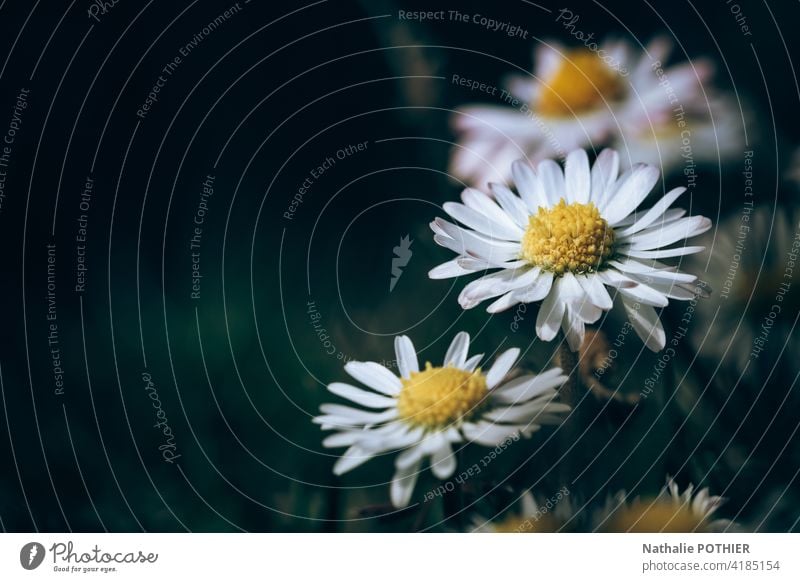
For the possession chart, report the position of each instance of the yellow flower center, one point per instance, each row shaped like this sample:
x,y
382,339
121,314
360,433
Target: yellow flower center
x,y
438,397
582,82
661,516
568,237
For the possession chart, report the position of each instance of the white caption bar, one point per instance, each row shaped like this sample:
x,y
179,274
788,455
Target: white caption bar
x,y
389,557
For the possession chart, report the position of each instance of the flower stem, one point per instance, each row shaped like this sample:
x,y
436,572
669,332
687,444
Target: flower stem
x,y
568,361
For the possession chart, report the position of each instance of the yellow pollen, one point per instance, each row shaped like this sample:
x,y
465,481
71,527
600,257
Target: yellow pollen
x,y
661,516
581,83
438,397
568,237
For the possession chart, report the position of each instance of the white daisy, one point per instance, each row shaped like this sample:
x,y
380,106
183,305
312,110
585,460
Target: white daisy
x,y
566,236
576,98
423,413
669,512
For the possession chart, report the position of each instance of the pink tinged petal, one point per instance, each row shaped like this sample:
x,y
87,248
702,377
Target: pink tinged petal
x,y
663,253
646,324
443,461
552,181
502,365
375,376
512,204
457,352
550,315
604,174
449,269
527,184
481,222
406,356
577,179
596,291
630,192
483,204
527,387
362,397
403,484
352,458
652,215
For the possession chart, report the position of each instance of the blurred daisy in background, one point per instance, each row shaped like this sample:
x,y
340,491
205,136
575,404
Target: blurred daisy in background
x,y
424,413
534,516
748,262
567,235
669,512
579,98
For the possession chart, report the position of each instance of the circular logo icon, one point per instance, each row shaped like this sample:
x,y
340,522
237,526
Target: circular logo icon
x,y
31,555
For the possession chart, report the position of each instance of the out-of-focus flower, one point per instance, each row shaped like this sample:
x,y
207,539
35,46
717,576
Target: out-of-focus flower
x,y
567,235
423,413
669,512
578,98
750,254
534,516
596,360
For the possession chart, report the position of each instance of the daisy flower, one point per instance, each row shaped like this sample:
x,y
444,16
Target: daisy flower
x,y
669,512
424,413
575,98
564,238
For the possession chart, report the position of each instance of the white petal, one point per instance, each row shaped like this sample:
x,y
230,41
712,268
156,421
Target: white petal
x,y
645,294
482,223
362,397
527,184
457,352
594,288
375,376
655,212
512,204
448,270
538,290
443,461
472,363
551,179
577,177
604,174
550,315
488,434
406,356
630,192
502,365
403,483
662,236
663,253
526,387
574,328
352,458
646,324
482,203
